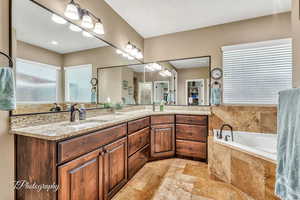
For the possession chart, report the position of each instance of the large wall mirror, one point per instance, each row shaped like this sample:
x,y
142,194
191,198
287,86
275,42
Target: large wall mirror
x,y
173,82
56,61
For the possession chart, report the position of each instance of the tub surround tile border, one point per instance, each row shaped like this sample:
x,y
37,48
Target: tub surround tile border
x,y
251,174
260,119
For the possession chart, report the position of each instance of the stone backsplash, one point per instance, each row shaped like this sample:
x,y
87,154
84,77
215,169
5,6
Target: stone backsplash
x,y
261,119
21,121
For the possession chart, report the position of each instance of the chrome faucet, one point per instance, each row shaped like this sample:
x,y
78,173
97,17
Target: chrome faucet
x,y
73,112
220,136
153,106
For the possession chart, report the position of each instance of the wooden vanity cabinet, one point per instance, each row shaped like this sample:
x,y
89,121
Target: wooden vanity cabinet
x,y
162,136
82,178
138,144
191,136
115,167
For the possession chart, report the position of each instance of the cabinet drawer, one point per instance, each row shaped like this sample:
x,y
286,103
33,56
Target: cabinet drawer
x,y
191,119
191,132
191,149
163,119
137,140
136,125
137,160
72,148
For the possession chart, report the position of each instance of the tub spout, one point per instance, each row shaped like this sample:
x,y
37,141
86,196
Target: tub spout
x,y
231,130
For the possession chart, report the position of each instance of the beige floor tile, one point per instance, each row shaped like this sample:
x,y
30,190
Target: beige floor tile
x,y
177,179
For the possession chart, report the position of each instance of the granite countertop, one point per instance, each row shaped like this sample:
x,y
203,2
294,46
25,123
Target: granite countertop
x,y
63,130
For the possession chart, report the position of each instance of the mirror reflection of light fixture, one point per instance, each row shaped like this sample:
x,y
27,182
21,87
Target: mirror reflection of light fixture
x,y
118,51
75,12
74,28
99,29
87,34
72,11
165,73
129,46
87,21
57,19
139,55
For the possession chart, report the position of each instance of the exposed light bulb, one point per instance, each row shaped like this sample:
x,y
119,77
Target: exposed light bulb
x,y
99,29
118,51
71,11
134,52
87,34
75,28
87,21
139,55
129,46
57,19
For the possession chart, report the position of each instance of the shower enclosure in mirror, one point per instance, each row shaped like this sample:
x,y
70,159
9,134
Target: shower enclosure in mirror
x,y
174,82
55,60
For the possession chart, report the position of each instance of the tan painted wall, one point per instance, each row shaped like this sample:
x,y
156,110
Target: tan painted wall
x,y
98,57
117,31
34,53
187,74
296,43
6,140
208,41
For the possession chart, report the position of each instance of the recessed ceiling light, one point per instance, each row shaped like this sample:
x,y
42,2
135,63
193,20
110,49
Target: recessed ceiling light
x,y
75,28
58,19
87,34
54,42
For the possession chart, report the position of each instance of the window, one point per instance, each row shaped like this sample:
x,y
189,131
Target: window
x,y
36,82
77,83
254,73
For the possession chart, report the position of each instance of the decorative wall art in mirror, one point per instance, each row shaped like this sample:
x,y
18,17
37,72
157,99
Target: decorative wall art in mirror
x,y
174,82
56,60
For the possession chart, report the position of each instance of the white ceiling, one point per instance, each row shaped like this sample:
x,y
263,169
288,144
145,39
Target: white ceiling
x,y
190,63
158,17
33,25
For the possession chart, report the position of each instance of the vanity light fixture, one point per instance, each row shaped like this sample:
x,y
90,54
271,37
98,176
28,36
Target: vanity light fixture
x,y
129,47
133,50
87,34
139,55
87,21
99,29
72,11
57,19
74,28
75,12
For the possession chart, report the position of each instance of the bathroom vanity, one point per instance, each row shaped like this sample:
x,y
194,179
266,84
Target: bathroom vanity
x,y
96,164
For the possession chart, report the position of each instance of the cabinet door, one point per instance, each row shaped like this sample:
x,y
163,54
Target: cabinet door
x,y
115,163
162,140
82,178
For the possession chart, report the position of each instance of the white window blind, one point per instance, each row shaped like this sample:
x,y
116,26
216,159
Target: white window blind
x,y
254,73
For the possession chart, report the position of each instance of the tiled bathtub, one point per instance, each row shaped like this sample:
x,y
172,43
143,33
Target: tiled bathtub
x,y
249,163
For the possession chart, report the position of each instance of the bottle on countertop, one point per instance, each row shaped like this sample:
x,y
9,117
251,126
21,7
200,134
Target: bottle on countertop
x,y
82,112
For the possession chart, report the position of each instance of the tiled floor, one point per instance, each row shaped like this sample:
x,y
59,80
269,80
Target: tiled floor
x,y
177,179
